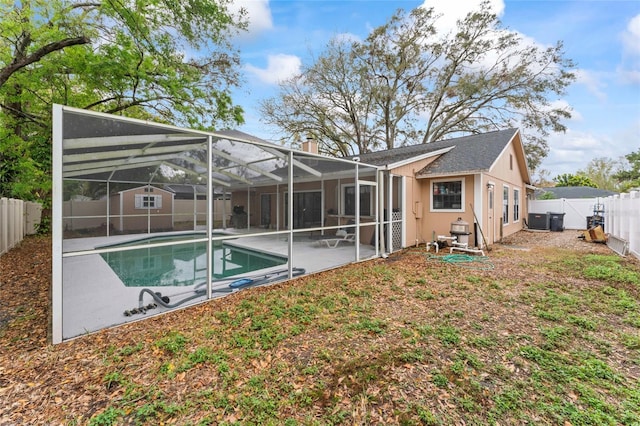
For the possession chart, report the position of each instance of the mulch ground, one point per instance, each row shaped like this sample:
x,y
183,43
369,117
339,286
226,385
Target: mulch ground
x,y
36,378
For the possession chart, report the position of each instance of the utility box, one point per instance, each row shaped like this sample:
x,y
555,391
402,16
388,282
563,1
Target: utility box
x,y
539,221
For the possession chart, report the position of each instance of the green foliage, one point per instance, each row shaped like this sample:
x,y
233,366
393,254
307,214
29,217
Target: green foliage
x,y
115,57
173,343
108,417
567,179
448,335
439,379
547,195
371,325
115,378
630,177
602,171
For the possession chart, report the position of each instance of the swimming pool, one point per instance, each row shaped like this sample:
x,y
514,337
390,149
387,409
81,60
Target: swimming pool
x,y
184,264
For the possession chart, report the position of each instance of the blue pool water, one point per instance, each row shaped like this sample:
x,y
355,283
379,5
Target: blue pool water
x,y
184,264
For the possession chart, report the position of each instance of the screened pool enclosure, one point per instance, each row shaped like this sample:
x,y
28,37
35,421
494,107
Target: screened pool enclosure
x,y
150,217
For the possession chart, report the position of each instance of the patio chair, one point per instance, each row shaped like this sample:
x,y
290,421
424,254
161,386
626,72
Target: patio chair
x,y
334,242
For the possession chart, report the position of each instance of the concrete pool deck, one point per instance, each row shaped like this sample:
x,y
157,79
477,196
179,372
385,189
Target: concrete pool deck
x,y
94,297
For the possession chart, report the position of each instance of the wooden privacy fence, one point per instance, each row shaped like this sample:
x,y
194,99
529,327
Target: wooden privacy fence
x,y
17,219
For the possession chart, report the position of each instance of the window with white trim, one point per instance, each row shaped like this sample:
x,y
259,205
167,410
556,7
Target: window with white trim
x,y
143,201
349,200
447,195
505,204
516,205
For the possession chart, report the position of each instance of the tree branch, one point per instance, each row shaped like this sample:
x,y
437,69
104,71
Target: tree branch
x,y
20,63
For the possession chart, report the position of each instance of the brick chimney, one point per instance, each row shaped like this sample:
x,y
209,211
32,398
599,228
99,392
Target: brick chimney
x,y
310,145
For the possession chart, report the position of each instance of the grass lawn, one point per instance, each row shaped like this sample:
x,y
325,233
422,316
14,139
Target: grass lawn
x,y
545,335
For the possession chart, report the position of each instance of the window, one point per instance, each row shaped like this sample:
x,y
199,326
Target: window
x,y
447,195
505,205
148,201
516,205
307,209
349,200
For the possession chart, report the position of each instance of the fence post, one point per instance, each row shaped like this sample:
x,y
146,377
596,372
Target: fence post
x,y
32,217
625,216
615,206
4,225
12,223
634,223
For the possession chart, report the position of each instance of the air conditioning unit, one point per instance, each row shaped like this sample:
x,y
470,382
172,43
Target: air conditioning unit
x,y
538,221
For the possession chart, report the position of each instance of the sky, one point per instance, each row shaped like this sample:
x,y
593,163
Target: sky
x,y
602,37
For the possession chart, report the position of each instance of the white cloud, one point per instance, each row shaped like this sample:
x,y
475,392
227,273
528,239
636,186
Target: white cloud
x,y
453,10
631,36
564,104
629,76
570,152
347,37
279,68
593,84
573,150
258,14
629,70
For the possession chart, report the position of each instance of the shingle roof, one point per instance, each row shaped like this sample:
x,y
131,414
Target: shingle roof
x,y
471,153
575,192
185,189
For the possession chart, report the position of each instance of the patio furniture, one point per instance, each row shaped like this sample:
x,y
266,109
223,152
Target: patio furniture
x,y
334,242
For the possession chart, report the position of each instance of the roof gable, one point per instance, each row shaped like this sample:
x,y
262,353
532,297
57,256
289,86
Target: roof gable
x,y
465,154
145,188
472,154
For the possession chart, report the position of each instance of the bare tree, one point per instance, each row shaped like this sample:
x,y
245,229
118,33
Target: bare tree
x,y
407,84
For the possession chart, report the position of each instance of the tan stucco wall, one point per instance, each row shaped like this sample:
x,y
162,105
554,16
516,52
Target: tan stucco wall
x,y
505,173
415,203
435,222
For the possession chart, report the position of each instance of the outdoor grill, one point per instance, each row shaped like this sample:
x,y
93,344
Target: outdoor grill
x,y
460,230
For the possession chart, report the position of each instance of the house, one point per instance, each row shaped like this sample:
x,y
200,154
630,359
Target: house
x,y
482,180
143,208
278,200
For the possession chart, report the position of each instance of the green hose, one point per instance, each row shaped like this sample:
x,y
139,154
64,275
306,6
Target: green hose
x,y
463,260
